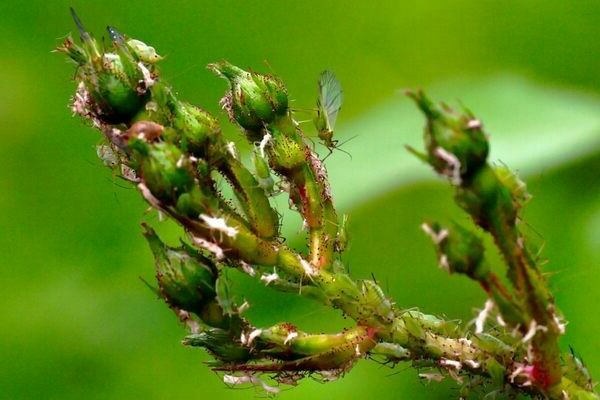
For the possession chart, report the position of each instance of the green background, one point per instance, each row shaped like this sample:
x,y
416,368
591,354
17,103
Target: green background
x,y
75,320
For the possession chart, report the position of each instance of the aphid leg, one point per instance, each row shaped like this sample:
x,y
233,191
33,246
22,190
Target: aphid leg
x,y
330,149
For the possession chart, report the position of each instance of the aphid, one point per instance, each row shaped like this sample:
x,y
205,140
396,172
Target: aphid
x,y
107,155
329,103
576,370
518,188
341,240
224,297
263,173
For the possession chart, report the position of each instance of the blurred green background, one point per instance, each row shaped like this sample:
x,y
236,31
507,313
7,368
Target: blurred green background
x,y
75,320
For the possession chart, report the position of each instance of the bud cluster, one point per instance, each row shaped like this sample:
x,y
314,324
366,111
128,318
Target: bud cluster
x,y
174,152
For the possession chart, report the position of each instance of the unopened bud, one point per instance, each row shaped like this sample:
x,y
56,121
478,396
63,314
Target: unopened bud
x,y
456,144
163,168
461,251
113,84
255,99
195,126
186,279
219,343
286,153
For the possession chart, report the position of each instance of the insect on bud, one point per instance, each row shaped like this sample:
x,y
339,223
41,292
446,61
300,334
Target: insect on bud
x,y
255,99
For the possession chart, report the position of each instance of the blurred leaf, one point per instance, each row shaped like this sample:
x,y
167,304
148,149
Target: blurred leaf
x,y
531,127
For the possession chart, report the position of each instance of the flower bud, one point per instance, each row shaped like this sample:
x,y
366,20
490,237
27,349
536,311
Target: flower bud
x,y
460,250
255,99
195,202
163,167
186,278
195,126
188,126
220,344
112,85
456,144
286,153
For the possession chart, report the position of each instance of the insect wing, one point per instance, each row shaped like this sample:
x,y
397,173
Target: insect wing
x,y
330,99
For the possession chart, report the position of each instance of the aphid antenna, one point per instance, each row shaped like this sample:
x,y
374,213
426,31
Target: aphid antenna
x,y
117,184
185,70
268,64
154,290
346,141
330,150
374,279
302,109
337,146
304,121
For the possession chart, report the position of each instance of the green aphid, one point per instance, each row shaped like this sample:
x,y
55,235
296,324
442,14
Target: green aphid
x,y
493,345
517,188
89,43
224,296
374,299
392,352
133,49
341,241
263,172
123,59
143,52
576,370
329,104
